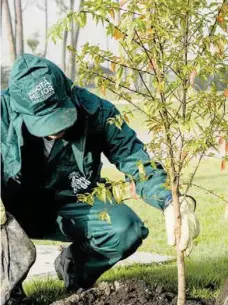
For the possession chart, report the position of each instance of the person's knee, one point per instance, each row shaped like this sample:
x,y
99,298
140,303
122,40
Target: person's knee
x,y
130,233
120,238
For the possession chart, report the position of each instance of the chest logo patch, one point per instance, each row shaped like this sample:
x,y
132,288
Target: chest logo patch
x,y
78,182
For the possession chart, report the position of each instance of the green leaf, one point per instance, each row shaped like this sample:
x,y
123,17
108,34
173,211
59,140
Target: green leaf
x,y
109,195
119,74
142,172
130,32
117,193
87,198
90,200
117,121
104,216
153,164
82,19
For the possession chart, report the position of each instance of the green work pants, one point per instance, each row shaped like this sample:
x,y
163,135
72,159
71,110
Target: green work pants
x,y
96,244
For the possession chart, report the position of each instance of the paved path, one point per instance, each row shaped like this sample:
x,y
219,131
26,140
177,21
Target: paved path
x,y
46,255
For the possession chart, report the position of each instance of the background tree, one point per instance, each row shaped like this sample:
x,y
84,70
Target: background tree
x,y
19,37
63,8
34,41
70,70
44,8
172,42
9,26
15,31
75,27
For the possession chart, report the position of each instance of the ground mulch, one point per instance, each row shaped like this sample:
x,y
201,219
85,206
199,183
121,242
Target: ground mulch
x,y
127,292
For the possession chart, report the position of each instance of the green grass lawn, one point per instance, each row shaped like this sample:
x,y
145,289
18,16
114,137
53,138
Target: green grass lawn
x,y
206,267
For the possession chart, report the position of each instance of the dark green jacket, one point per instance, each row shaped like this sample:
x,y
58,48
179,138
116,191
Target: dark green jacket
x,y
121,147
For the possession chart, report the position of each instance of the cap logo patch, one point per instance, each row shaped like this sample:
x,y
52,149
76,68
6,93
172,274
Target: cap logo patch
x,y
42,91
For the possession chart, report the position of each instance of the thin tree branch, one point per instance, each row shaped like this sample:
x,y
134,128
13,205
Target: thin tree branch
x,y
211,30
193,175
125,66
209,191
112,81
185,81
145,85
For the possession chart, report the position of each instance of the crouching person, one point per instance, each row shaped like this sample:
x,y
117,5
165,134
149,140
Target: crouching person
x,y
53,137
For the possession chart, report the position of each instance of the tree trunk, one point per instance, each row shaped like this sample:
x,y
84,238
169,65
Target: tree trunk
x,y
181,298
19,38
71,56
65,35
46,28
45,9
74,40
15,24
12,47
1,19
77,28
63,8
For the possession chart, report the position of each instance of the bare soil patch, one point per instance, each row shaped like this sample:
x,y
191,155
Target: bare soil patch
x,y
127,292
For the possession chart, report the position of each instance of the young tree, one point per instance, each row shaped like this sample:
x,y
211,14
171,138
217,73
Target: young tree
x,y
172,42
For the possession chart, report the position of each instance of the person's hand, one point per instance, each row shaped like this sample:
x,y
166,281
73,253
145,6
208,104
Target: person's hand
x,y
190,225
2,213
129,191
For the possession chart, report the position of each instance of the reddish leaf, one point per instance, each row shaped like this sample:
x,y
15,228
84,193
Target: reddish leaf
x,y
226,147
126,118
192,77
133,191
153,64
221,140
150,31
226,92
103,90
117,34
223,165
113,67
122,2
220,19
184,155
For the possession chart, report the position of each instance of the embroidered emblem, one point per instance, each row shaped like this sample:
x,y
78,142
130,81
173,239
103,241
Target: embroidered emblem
x,y
78,182
42,91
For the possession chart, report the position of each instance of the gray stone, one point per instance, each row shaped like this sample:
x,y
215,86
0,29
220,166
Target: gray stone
x,y
223,295
15,247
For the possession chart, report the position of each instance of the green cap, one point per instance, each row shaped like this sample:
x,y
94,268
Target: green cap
x,y
40,92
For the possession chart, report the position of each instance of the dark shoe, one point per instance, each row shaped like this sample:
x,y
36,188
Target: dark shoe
x,y
70,279
66,271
